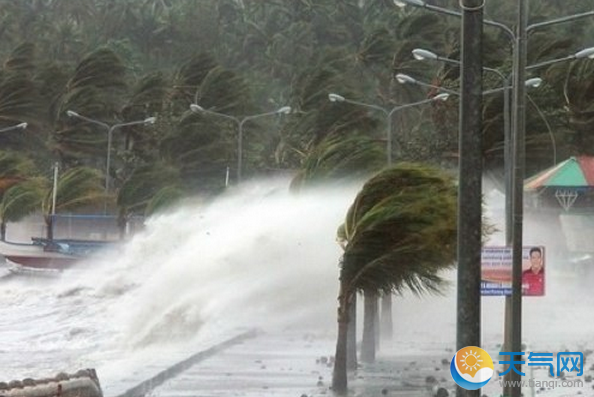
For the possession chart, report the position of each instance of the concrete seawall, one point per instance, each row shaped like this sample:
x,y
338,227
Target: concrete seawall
x,y
83,383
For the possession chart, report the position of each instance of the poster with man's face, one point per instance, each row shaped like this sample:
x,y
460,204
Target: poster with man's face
x,y
533,282
496,271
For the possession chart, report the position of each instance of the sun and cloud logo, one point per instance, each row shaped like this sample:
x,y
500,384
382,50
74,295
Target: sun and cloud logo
x,y
471,368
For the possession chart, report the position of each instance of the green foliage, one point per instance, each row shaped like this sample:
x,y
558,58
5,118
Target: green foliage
x,y
339,158
116,61
400,231
164,199
14,167
149,188
22,199
201,147
77,187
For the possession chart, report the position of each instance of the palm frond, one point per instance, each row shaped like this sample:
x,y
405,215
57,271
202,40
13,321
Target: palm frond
x,y
400,231
77,187
22,199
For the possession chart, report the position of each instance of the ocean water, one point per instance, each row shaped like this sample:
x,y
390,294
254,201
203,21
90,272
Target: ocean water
x,y
258,257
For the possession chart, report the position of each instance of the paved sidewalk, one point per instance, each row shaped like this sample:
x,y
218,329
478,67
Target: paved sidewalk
x,y
299,365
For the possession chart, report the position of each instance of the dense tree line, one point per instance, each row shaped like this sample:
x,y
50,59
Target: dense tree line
x,y
118,61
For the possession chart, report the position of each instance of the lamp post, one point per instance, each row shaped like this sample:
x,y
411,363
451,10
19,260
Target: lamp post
x,y
422,54
509,32
110,129
514,215
20,126
240,122
388,113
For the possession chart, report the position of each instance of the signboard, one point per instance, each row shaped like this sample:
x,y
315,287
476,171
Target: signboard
x,y
496,271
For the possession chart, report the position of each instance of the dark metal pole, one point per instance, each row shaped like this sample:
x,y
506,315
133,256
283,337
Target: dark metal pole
x,y
389,139
108,160
240,149
468,330
509,188
519,160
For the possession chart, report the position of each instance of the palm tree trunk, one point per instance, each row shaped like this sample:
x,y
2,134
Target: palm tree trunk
x,y
368,343
339,374
387,328
122,225
376,322
352,335
49,224
3,231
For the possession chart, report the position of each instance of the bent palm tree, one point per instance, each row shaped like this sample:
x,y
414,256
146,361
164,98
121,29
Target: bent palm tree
x,y
20,200
15,170
400,232
77,187
149,189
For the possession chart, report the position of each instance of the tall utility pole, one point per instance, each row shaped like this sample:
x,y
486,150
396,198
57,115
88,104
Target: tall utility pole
x,y
518,163
468,327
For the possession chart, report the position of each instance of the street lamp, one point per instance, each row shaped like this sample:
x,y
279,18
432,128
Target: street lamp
x,y
20,126
403,3
406,79
514,214
422,54
110,129
388,112
534,82
585,53
194,107
510,33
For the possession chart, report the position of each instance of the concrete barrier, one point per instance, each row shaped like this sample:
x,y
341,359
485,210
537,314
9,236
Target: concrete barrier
x,y
83,383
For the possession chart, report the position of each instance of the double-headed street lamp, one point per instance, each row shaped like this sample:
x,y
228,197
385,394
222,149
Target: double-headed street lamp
x,y
509,32
406,79
388,113
110,129
534,82
422,54
20,126
240,122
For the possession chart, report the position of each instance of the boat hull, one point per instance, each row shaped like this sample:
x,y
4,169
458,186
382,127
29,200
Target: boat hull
x,y
35,256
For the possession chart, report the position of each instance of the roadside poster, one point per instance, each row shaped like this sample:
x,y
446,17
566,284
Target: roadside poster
x,y
496,271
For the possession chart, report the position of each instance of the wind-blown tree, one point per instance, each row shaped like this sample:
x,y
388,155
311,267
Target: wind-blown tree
x,y
400,232
149,97
15,170
149,189
340,159
21,200
77,187
316,117
20,102
95,90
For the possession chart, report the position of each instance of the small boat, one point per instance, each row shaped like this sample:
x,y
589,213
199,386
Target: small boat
x,y
46,254
60,253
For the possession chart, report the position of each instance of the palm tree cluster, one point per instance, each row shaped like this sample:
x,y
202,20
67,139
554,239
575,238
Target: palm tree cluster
x,y
117,61
399,233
